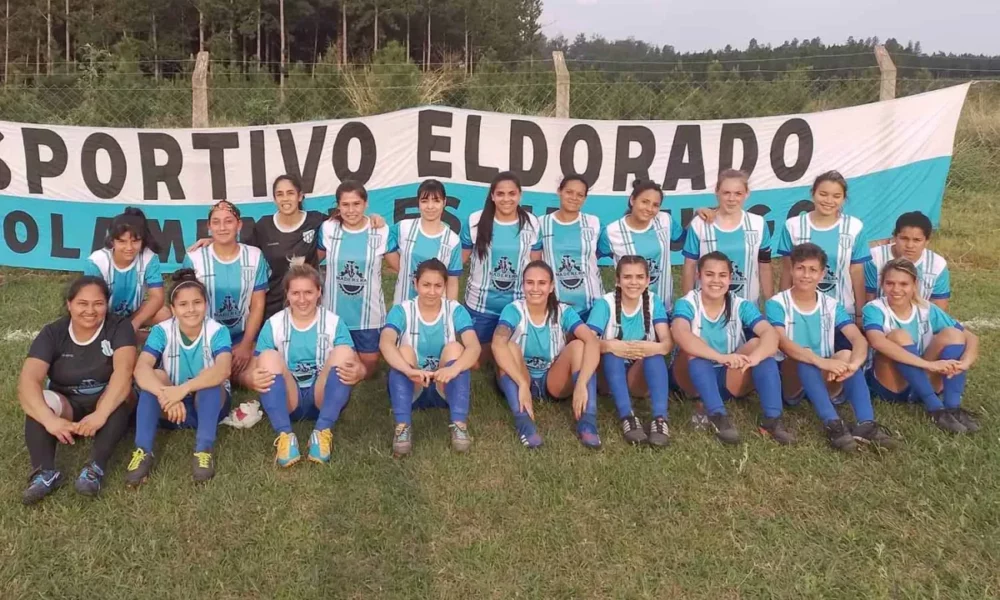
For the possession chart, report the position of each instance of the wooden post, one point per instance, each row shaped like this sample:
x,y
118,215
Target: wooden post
x,y
562,85
199,91
887,90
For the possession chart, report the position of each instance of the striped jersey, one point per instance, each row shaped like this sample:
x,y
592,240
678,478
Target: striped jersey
x,y
934,278
495,280
353,288
414,246
183,361
744,245
541,342
305,350
922,324
725,337
128,286
618,239
634,326
428,338
230,284
814,329
571,250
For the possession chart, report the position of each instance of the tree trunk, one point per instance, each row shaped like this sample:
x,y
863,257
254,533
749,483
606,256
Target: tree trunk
x,y
468,62
267,48
48,37
343,32
407,34
68,55
260,32
281,20
427,65
156,51
38,57
375,46
6,44
315,47
201,30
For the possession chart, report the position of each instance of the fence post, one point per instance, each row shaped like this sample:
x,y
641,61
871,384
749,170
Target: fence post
x,y
199,91
562,85
887,89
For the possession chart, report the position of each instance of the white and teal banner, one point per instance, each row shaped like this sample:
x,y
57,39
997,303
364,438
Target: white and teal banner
x,y
60,186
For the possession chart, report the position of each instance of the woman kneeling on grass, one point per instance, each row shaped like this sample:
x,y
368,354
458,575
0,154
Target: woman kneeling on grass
x,y
711,326
543,349
87,358
920,350
635,337
183,374
807,322
430,345
297,350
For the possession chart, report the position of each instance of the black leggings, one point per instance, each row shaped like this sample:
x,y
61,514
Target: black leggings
x,y
42,445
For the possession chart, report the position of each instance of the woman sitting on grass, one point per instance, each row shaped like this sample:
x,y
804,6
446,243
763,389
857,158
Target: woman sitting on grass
x,y
430,345
909,240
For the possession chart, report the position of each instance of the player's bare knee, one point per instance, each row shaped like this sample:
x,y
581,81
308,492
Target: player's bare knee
x,y
950,336
900,336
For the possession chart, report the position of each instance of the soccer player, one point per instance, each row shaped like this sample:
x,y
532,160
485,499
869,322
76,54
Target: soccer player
x,y
909,240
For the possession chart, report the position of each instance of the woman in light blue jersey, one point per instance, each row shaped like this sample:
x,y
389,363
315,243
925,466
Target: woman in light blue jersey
x,y
841,238
235,278
921,352
542,350
412,241
569,245
909,240
430,345
721,337
130,265
742,236
304,367
354,247
645,231
807,322
635,339
183,374
498,241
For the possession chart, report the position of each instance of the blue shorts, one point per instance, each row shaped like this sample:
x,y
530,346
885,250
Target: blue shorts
x,y
877,389
484,324
539,387
191,420
365,340
307,409
429,398
840,342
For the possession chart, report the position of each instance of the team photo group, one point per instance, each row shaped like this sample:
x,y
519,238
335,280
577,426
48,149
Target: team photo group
x,y
292,310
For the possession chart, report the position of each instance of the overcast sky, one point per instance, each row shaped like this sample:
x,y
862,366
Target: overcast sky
x,y
947,25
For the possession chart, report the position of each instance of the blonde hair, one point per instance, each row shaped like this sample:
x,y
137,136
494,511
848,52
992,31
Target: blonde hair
x,y
903,266
733,174
298,270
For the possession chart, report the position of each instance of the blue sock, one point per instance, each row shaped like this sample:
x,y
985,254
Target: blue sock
x,y
458,392
588,420
615,374
654,368
919,382
208,404
767,380
953,386
706,382
401,396
509,389
335,397
147,416
814,386
860,397
275,403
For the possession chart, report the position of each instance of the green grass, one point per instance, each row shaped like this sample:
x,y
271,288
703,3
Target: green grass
x,y
697,520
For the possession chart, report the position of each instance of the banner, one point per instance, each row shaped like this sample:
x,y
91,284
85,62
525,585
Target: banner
x,y
60,186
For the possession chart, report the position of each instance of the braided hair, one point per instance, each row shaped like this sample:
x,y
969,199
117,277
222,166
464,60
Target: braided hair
x,y
632,259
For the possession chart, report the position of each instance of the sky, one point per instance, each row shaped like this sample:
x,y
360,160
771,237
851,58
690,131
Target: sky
x,y
947,25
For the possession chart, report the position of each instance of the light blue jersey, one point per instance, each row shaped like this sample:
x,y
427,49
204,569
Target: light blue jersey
x,y
230,284
922,324
305,350
184,361
571,250
428,339
933,276
723,337
745,245
844,244
653,244
495,280
633,326
128,286
541,342
815,329
414,247
353,288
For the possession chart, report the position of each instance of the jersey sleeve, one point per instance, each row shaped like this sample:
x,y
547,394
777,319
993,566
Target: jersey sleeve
x,y
466,235
536,245
123,335
749,315
156,342
321,237
265,339
392,244
396,319
871,277
570,320
44,346
604,244
455,261
841,317
775,313
784,247
154,273
221,342
872,318
342,335
766,241
676,230
942,285
683,309
941,320
692,245
461,320
91,269
659,311
263,273
600,315
510,317
861,253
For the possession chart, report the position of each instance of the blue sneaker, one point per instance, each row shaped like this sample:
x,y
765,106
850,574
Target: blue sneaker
x,y
588,435
41,484
320,446
527,433
90,479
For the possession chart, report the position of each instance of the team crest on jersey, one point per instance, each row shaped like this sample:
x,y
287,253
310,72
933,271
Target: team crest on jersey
x,y
535,363
89,387
123,308
229,313
829,281
752,238
351,280
738,281
374,241
106,348
569,273
654,270
308,236
304,372
431,364
588,233
504,275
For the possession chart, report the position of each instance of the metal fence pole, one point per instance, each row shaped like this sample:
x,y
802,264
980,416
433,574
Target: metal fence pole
x,y
562,85
199,91
887,89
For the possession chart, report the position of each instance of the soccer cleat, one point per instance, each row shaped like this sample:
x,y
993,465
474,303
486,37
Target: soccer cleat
x,y
874,433
966,419
724,429
632,430
203,467
775,429
527,433
659,432
588,435
139,466
288,450
402,443
839,437
41,484
90,479
244,416
699,421
320,446
946,421
461,441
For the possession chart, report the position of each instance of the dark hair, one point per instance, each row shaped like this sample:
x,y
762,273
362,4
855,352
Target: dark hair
x,y
431,265
292,179
132,220
225,205
484,229
574,177
627,260
186,278
831,176
301,271
732,174
348,186
808,251
86,280
721,257
429,188
639,186
914,219
552,302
